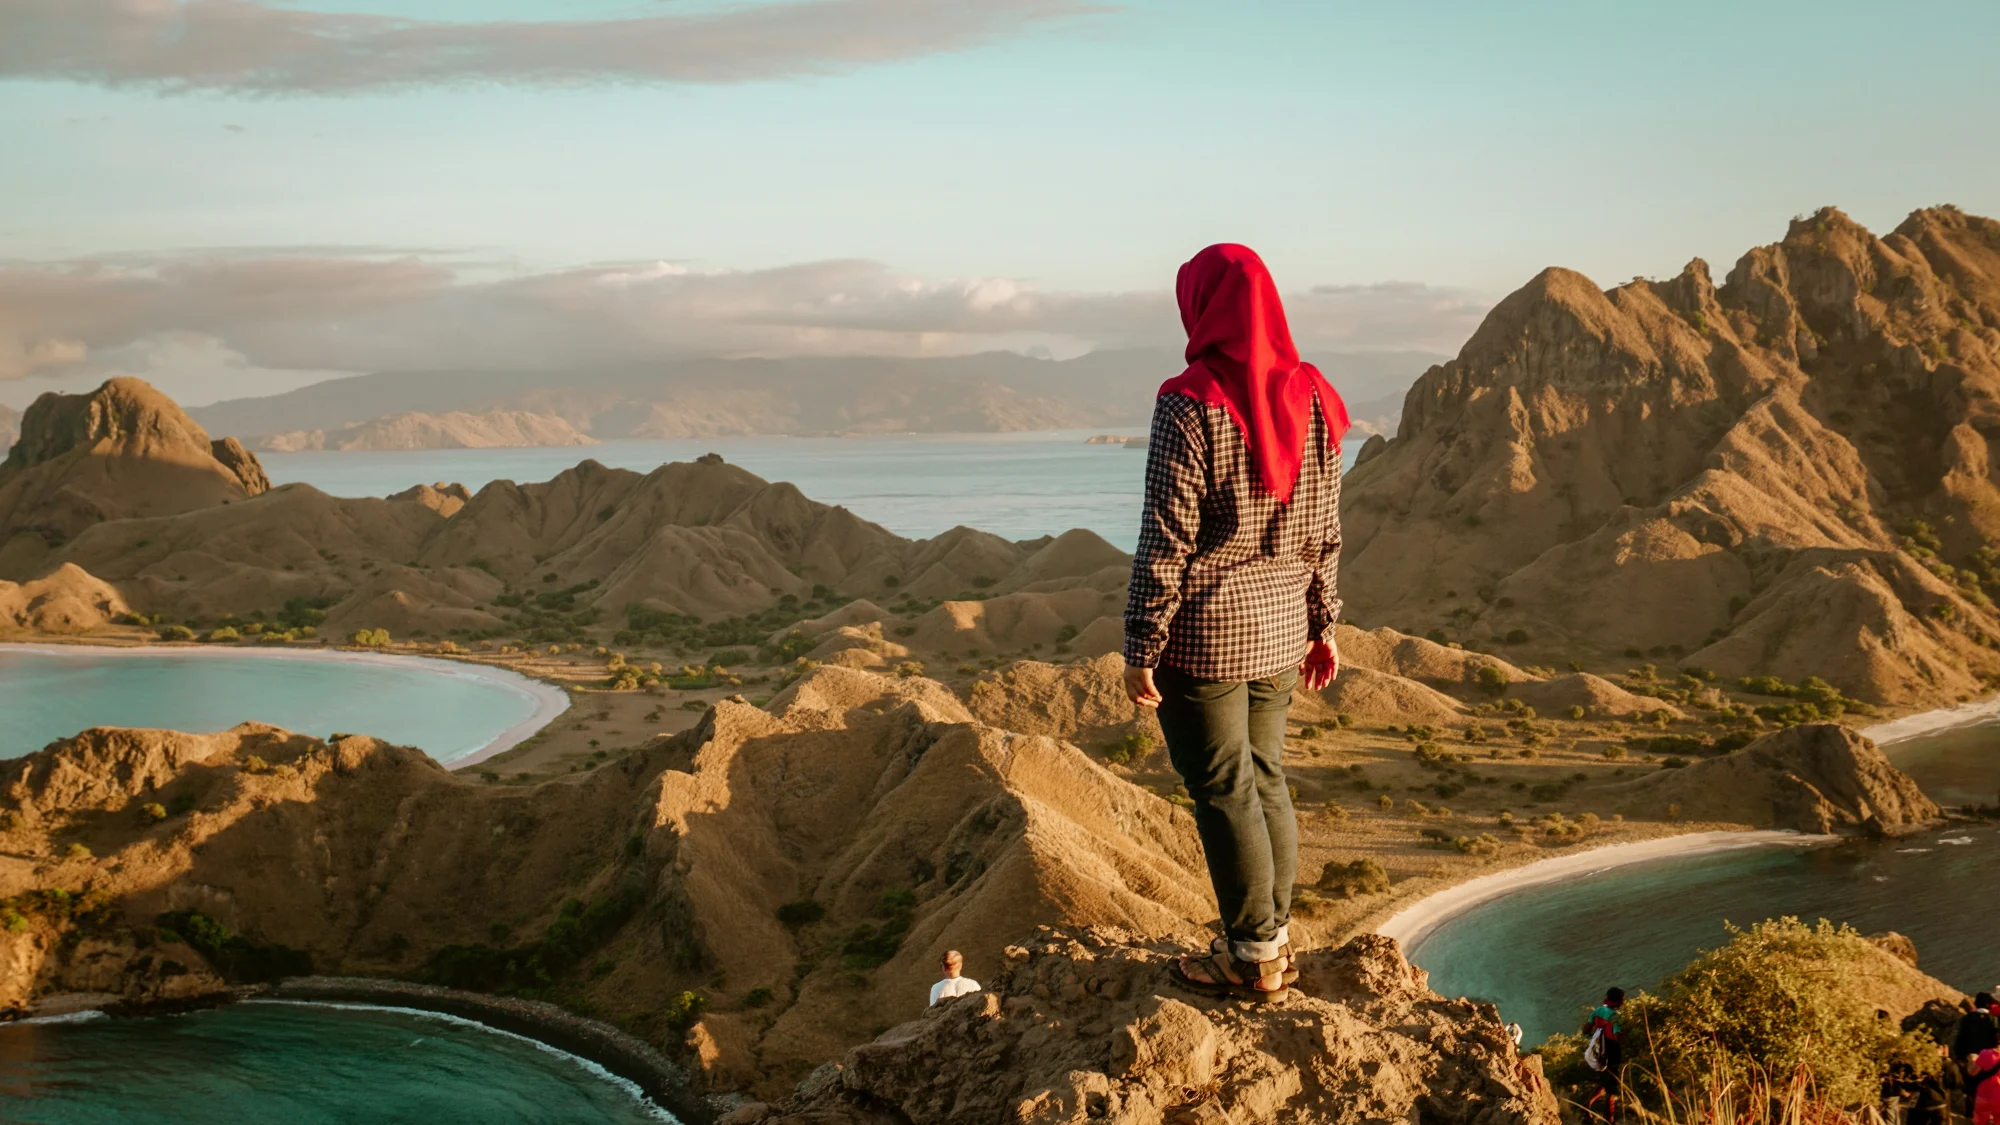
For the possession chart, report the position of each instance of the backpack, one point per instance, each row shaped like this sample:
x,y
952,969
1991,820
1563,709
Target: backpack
x,y
1593,1051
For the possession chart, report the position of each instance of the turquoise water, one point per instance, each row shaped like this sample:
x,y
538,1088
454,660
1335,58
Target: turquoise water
x,y
435,705
300,1064
1018,486
1545,954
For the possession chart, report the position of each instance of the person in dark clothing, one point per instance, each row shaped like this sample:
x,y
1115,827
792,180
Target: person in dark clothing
x,y
1978,1030
1232,603
1604,1054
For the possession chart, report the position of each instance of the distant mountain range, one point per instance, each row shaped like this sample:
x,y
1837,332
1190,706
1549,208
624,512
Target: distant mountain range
x,y
988,393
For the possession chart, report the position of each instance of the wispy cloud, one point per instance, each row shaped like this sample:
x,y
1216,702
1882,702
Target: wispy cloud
x,y
246,46
352,313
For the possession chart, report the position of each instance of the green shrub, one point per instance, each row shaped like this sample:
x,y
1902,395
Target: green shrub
x,y
684,1011
1352,880
153,812
531,968
177,633
758,997
77,851
804,912
873,943
369,638
1778,997
1133,747
238,959
1491,679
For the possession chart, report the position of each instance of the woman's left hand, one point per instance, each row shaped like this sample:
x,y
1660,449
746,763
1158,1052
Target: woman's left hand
x,y
1322,664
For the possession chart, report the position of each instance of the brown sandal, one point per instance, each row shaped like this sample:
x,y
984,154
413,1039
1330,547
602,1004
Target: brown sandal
x,y
1232,978
1220,948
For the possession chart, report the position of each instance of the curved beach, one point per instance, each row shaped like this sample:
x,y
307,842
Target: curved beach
x,y
1409,925
548,700
1931,722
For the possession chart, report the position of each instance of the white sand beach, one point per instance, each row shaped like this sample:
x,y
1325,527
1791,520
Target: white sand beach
x,y
1409,925
1930,722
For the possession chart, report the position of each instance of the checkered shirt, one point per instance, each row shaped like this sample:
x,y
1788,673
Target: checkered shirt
x,y
1228,584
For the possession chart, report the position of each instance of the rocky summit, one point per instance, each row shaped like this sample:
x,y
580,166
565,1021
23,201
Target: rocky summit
x,y
1787,474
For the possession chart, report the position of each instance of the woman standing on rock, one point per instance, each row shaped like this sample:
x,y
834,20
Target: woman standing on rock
x,y
1232,602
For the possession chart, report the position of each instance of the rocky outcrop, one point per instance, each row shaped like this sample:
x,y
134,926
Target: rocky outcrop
x,y
68,601
1084,1027
456,429
1818,778
1786,474
123,451
444,499
10,427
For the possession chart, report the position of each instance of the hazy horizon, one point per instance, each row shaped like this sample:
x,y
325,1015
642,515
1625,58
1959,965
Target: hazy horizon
x,y
236,202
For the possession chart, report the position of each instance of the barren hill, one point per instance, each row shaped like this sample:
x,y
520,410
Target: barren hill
x,y
1789,474
454,429
121,452
804,866
120,488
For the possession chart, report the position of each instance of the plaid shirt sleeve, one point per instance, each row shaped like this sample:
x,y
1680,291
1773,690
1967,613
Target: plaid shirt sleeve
x,y
1322,601
1176,481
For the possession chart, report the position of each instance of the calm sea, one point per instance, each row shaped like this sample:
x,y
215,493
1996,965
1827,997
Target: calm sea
x,y
300,1064
1545,954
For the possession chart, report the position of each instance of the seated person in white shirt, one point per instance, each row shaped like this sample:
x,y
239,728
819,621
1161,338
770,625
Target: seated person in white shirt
x,y
953,984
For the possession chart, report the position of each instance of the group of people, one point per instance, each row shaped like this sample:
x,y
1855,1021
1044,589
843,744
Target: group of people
x,y
1967,1083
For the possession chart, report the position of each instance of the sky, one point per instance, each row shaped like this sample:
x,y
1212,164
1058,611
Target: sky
x,y
238,195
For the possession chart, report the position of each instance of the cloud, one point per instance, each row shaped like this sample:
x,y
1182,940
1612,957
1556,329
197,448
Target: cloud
x,y
344,312
246,46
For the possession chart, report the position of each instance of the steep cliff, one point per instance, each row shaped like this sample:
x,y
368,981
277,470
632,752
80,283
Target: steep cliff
x,y
1789,474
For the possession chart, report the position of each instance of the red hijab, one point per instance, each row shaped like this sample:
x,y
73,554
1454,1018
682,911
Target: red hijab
x,y
1241,357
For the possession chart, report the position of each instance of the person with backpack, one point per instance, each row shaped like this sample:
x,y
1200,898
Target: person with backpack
x,y
1603,1054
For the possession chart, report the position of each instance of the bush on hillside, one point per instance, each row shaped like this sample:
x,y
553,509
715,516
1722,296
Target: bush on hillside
x,y
1775,1007
1351,880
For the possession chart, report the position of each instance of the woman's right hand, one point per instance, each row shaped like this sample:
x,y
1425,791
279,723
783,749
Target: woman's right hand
x,y
1139,686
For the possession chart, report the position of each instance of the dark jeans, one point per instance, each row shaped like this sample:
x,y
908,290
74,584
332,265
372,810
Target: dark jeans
x,y
1227,741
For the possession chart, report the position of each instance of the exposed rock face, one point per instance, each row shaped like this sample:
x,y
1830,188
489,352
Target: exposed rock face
x,y
1087,1028
444,499
123,451
1733,474
456,429
68,601
1819,778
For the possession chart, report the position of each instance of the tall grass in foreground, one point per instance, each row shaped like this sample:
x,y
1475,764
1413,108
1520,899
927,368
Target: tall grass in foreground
x,y
1752,1098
